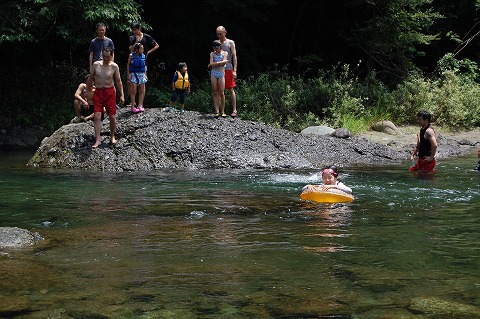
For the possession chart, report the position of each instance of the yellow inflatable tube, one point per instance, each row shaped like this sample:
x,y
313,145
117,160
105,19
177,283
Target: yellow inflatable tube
x,y
329,195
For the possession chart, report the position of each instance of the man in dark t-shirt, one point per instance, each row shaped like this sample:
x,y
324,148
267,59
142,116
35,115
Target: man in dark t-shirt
x,y
99,43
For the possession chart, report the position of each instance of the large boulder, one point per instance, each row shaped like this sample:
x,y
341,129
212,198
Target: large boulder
x,y
385,127
14,237
171,140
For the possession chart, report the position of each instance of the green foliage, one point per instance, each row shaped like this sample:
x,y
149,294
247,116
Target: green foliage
x,y
70,20
391,38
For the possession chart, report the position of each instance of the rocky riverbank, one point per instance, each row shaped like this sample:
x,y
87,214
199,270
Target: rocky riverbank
x,y
157,140
162,140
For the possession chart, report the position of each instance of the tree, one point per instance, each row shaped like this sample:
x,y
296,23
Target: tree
x,y
69,20
394,34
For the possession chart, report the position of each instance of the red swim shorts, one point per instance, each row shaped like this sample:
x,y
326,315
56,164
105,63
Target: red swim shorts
x,y
105,98
423,166
229,80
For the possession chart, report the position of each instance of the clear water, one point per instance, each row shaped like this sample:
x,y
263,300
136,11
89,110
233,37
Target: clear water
x,y
241,244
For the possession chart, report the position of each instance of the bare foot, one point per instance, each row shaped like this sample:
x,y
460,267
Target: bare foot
x,y
97,144
113,141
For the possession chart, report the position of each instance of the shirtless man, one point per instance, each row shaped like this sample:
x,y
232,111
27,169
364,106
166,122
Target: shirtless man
x,y
228,45
83,103
426,145
104,73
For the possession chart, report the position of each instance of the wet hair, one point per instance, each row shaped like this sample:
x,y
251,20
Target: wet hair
x,y
425,115
216,43
181,65
137,46
136,25
332,170
107,49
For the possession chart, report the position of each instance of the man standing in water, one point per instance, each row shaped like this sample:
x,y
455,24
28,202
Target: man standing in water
x,y
228,45
426,145
104,73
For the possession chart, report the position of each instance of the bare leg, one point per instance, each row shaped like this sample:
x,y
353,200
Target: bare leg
x,y
133,91
215,96
141,94
77,107
97,125
233,99
113,126
221,92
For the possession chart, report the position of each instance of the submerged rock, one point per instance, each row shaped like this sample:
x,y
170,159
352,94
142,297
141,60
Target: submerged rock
x,y
443,308
14,237
158,140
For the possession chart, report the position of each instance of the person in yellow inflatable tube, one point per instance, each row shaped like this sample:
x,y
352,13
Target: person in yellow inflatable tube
x,y
330,180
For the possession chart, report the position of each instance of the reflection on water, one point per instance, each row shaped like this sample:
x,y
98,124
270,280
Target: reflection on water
x,y
241,244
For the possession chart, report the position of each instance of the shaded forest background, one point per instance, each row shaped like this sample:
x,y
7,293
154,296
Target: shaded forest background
x,y
373,52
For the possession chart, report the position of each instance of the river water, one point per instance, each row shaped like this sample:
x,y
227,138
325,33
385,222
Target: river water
x,y
241,244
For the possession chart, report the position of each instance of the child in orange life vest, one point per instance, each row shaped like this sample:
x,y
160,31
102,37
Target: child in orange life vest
x,y
137,76
330,180
180,86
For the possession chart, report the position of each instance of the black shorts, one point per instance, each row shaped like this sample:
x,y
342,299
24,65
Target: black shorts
x,y
86,112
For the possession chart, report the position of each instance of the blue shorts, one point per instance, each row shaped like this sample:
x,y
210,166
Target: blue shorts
x,y
138,78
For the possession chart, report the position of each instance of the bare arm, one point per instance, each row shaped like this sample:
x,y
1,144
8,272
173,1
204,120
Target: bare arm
x,y
118,81
79,92
415,150
234,57
128,66
430,135
154,48
91,78
90,59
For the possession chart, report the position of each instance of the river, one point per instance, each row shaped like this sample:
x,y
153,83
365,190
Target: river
x,y
241,244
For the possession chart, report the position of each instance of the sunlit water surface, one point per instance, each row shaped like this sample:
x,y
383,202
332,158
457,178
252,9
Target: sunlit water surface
x,y
241,244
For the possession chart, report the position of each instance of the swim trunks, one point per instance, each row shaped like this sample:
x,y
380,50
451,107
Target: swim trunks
x,y
105,98
423,166
229,79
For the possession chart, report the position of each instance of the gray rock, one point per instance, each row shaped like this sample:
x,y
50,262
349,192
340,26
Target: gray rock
x,y
158,140
318,130
385,127
341,133
14,237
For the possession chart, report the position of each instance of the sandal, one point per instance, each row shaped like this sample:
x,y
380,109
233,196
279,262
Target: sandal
x,y
224,115
216,115
234,114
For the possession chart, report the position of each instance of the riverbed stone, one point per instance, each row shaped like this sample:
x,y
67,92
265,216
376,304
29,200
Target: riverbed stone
x,y
318,130
440,308
385,127
14,237
162,140
341,133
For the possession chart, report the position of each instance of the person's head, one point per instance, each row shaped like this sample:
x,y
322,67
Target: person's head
x,y
182,67
423,118
221,33
136,27
107,54
217,45
101,29
330,175
138,48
